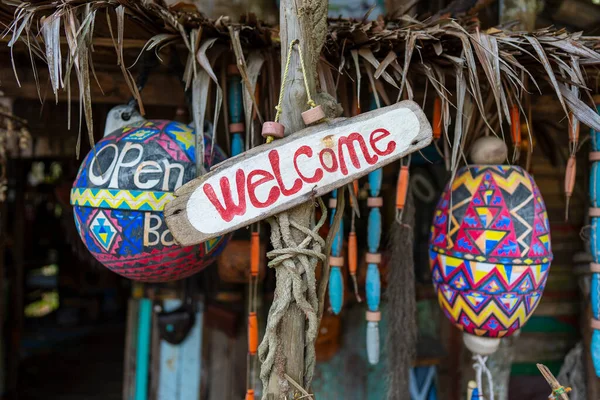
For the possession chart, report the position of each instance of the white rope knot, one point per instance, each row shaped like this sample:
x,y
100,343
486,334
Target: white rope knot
x,y
295,282
481,368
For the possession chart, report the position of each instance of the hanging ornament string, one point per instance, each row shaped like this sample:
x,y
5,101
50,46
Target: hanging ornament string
x,y
480,369
273,130
278,108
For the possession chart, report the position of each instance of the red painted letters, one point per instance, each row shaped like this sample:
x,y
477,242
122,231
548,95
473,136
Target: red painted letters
x,y
303,165
374,138
307,151
264,178
348,141
274,159
229,210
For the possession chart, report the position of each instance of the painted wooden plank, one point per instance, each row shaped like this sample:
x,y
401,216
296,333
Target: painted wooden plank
x,y
143,349
180,365
275,177
130,350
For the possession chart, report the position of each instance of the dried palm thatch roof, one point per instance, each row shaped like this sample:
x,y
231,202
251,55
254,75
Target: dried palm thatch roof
x,y
479,73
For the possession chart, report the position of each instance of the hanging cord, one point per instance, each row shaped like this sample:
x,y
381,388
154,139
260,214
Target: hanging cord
x,y
282,87
298,284
310,100
480,369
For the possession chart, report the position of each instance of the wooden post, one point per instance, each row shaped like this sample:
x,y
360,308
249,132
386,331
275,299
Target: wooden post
x,y
305,20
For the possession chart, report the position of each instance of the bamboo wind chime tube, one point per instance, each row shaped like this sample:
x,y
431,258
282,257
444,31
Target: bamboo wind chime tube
x,y
373,258
595,243
336,261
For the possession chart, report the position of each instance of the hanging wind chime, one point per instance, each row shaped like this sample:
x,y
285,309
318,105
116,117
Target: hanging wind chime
x,y
594,213
373,259
490,250
237,129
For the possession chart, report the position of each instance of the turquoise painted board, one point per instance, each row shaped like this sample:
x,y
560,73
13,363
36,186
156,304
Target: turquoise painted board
x,y
180,365
143,349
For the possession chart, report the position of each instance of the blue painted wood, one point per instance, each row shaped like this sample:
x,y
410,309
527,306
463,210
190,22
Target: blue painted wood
x,y
373,342
337,245
237,144
143,349
336,290
234,98
595,249
236,112
375,179
373,281
374,230
373,287
180,365
336,281
422,383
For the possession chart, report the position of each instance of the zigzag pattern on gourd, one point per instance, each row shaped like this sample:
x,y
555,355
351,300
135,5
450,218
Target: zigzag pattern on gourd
x,y
121,199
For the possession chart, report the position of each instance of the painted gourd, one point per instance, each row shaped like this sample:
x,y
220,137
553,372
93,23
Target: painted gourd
x,y
490,251
119,195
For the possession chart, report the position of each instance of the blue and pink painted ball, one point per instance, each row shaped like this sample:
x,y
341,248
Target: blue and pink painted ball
x,y
120,193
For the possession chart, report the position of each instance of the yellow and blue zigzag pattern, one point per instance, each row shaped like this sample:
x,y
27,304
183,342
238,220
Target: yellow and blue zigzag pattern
x,y
139,200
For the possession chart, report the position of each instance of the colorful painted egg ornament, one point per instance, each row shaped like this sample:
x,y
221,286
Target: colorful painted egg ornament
x,y
119,196
490,249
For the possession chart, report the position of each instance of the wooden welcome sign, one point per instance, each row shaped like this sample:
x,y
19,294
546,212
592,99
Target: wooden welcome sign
x,y
275,177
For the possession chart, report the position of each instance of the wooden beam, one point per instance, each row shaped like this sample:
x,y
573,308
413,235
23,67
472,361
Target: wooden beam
x,y
161,89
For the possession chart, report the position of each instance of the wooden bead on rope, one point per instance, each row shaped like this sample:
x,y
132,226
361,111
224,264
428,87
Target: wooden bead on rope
x,y
336,261
237,127
273,129
373,316
489,150
373,258
375,202
313,115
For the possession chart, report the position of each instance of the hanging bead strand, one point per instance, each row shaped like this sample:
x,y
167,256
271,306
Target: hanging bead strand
x,y
336,261
595,243
373,258
234,97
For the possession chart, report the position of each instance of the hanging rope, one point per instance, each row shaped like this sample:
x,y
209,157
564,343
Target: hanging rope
x,y
282,87
480,369
296,281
